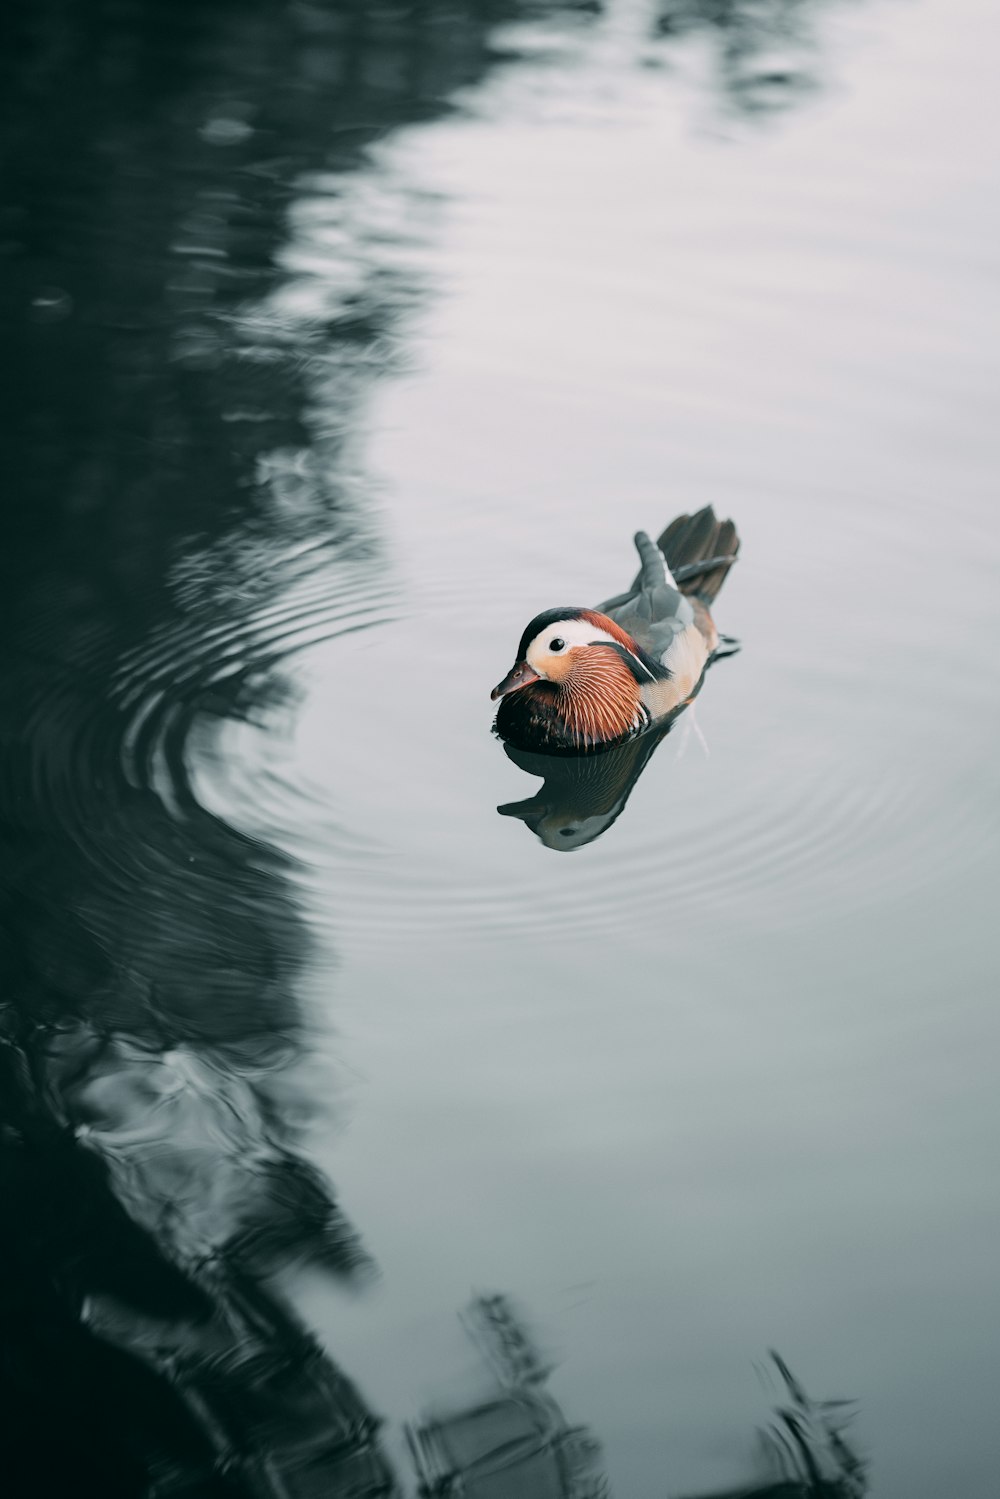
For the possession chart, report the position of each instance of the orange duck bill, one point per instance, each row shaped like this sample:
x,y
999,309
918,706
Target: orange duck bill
x,y
520,675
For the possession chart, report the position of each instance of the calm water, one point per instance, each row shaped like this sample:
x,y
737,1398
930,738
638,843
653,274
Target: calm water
x,y
352,1132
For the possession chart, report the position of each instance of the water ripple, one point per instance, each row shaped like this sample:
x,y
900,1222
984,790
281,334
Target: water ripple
x,y
765,855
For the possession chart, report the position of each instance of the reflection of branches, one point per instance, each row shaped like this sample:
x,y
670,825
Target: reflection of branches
x,y
805,1449
807,1444
765,48
516,1442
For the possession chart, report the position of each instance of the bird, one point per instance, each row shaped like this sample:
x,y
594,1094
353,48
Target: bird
x,y
587,679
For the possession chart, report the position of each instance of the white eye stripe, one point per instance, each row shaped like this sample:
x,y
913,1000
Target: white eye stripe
x,y
571,632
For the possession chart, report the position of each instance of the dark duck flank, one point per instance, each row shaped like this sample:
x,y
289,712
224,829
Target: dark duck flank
x,y
588,678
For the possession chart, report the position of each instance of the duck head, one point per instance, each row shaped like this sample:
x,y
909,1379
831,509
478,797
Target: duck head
x,y
576,683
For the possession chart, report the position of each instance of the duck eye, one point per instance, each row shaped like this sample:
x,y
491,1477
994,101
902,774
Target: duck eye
x,y
557,644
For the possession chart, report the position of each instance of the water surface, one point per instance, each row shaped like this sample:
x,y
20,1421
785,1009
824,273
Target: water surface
x,y
347,340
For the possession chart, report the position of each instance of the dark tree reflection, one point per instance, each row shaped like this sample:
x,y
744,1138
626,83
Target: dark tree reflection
x,y
165,498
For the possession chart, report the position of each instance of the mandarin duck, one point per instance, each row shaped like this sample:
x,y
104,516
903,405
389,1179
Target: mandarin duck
x,y
587,679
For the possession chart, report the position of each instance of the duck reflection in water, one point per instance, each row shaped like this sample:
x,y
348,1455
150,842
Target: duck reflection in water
x,y
581,795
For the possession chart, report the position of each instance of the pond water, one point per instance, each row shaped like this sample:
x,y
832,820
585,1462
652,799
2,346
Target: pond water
x,y
346,339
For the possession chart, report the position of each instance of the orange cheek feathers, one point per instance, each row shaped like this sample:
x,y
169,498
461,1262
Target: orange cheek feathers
x,y
558,668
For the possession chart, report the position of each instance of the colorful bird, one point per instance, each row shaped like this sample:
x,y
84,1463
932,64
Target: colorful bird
x,y
588,678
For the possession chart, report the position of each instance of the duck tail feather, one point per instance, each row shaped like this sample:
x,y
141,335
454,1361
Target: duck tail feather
x,y
700,549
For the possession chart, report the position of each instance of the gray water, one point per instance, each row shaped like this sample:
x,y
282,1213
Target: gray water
x,y
723,1079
